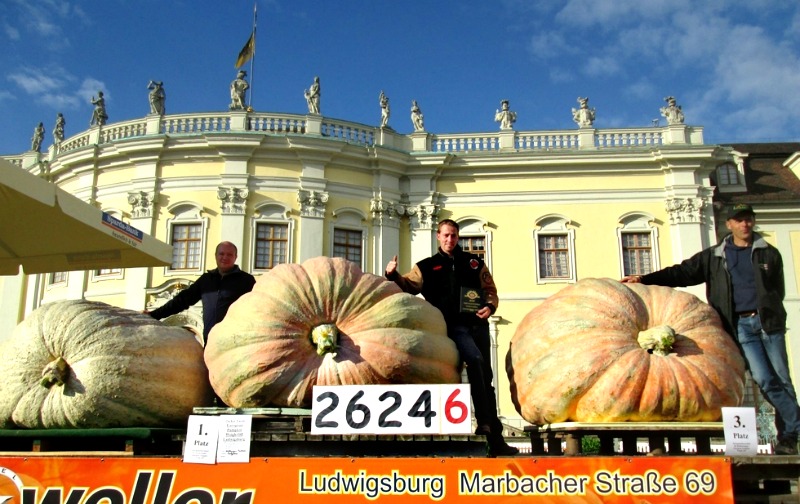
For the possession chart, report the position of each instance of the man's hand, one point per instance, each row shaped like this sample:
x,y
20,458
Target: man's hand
x,y
484,312
632,279
391,267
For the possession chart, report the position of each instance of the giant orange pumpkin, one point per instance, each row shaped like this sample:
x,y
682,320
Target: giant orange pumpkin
x,y
604,351
325,322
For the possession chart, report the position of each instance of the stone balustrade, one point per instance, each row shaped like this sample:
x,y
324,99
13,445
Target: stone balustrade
x,y
360,134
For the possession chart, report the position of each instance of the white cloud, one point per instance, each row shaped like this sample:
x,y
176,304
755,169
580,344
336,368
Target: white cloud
x,y
550,45
609,14
35,81
89,89
60,101
601,66
642,88
6,96
11,32
55,87
47,20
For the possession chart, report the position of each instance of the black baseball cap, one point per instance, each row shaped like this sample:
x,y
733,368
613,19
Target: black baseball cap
x,y
740,208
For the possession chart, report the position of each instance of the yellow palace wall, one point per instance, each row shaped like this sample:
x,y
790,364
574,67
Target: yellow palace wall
x,y
505,195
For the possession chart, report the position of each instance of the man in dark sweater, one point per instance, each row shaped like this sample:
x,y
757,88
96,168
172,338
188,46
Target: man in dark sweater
x,y
217,288
744,283
441,279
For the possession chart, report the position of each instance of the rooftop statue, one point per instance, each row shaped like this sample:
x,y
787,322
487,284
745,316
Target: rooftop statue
x,y
312,97
99,116
416,117
583,116
505,117
157,97
38,136
239,87
385,112
672,111
58,130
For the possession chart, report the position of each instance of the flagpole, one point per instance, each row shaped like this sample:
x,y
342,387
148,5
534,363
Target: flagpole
x,y
253,58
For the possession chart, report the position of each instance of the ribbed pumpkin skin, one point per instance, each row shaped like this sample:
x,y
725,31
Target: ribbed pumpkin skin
x,y
126,369
261,354
575,357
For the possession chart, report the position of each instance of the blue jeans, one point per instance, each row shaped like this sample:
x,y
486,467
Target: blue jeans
x,y
474,347
765,354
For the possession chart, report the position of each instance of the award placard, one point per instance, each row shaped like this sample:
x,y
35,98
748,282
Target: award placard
x,y
471,299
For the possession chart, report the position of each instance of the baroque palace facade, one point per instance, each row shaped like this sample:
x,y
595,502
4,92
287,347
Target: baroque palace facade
x,y
545,208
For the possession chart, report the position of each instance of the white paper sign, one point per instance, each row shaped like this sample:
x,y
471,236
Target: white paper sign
x,y
391,409
202,433
741,435
234,438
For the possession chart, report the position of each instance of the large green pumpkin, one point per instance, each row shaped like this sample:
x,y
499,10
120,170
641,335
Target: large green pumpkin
x,y
325,322
83,364
604,351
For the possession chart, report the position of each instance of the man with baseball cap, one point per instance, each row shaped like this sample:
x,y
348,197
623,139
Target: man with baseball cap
x,y
744,283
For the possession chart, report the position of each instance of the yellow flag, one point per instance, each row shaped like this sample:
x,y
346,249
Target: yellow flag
x,y
247,51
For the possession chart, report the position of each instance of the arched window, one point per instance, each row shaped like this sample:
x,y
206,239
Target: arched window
x,y
349,235
272,229
637,238
187,231
475,237
554,243
727,174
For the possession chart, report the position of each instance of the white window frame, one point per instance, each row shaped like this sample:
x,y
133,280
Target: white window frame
x,y
57,285
188,212
350,219
638,222
549,225
472,227
271,213
736,164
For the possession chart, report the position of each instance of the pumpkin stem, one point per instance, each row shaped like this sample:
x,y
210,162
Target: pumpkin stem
x,y
657,340
325,337
55,373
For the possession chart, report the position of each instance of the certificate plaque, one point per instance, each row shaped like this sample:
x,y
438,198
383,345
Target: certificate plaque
x,y
471,299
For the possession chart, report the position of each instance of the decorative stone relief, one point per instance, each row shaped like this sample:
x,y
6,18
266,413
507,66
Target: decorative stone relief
x,y
233,199
142,203
683,210
383,210
312,203
423,216
157,296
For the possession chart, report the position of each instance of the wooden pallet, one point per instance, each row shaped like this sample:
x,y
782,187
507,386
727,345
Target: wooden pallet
x,y
90,442
571,433
286,432
271,420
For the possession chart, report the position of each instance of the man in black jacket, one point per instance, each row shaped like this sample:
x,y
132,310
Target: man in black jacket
x,y
744,283
217,288
440,279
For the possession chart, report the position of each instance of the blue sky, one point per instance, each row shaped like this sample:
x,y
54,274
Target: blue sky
x,y
734,66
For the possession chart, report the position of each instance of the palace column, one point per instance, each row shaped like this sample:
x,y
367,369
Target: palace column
x,y
385,232
313,204
688,205
142,218
232,194
423,219
143,198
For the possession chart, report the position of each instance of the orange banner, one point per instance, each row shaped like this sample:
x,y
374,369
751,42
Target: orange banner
x,y
145,480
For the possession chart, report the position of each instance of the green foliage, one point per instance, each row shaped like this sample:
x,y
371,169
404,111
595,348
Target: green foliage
x,y
590,445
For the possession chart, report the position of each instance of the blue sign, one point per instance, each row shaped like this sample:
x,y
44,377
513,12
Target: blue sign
x,y
122,227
